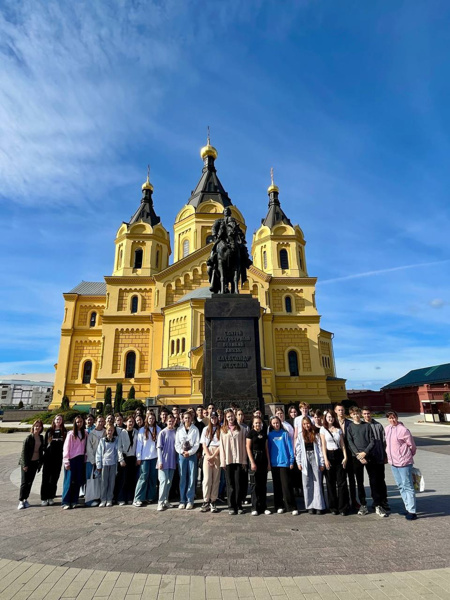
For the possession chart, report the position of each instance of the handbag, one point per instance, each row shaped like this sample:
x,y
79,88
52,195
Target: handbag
x,y
93,487
418,480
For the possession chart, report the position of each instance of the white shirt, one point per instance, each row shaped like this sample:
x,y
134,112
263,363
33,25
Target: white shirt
x,y
146,448
205,438
333,440
185,438
290,430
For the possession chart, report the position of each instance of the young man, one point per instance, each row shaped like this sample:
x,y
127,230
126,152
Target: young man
x,y
163,414
339,409
361,441
379,456
304,414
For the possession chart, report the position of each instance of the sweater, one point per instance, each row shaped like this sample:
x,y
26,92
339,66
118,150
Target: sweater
x,y
400,446
281,451
92,444
146,447
107,453
127,447
189,440
360,438
167,455
74,446
233,449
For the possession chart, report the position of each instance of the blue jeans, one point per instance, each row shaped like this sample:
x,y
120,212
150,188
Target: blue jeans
x,y
73,480
404,481
165,477
146,485
188,476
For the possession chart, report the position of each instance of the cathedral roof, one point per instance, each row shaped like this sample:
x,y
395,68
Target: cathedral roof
x,y
275,214
209,186
146,212
89,288
199,293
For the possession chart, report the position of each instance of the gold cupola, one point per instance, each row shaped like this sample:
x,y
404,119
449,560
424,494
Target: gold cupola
x,y
147,185
272,187
208,150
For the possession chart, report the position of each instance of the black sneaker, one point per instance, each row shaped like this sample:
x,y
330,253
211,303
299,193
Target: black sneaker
x,y
411,516
386,506
213,507
205,507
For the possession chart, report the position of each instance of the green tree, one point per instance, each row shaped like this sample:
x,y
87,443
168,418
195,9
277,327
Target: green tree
x,y
118,397
133,404
108,410
131,393
20,405
108,396
99,408
65,404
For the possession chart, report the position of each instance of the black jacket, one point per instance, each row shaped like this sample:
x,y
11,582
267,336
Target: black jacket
x,y
28,449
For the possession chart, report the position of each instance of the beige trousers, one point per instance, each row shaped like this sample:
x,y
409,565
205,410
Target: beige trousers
x,y
211,479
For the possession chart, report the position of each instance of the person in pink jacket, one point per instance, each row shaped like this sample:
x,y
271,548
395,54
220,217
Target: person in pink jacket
x,y
400,449
74,458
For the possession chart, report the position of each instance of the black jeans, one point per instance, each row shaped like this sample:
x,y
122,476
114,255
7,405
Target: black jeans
x,y
377,482
50,474
283,493
126,480
358,469
351,476
258,486
27,478
336,481
233,474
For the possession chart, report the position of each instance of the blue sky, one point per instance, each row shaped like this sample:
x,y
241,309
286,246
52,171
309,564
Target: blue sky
x,y
348,101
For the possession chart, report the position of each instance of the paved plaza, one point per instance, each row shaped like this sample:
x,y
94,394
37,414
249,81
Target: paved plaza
x,y
125,552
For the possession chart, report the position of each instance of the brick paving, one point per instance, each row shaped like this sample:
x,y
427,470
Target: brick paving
x,y
124,552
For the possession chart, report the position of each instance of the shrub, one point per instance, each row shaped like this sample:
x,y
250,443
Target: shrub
x,y
108,410
131,393
131,405
65,404
99,408
20,405
108,396
118,397
47,416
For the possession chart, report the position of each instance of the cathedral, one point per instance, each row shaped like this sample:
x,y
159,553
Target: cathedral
x,y
143,326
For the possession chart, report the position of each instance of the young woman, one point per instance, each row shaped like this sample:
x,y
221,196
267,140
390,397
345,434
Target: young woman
x,y
335,459
126,479
233,458
146,456
139,422
281,455
210,441
53,456
258,455
106,458
31,461
167,461
89,423
400,449
187,441
293,414
310,462
92,496
317,419
74,456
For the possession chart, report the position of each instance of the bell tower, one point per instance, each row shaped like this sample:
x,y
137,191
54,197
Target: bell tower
x,y
278,247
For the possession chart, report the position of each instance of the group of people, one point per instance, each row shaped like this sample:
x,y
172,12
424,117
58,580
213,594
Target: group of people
x,y
140,460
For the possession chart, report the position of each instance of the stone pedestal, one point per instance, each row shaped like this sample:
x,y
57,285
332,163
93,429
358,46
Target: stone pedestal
x,y
232,360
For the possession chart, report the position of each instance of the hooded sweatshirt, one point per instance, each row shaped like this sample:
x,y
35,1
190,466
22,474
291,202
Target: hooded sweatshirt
x,y
400,446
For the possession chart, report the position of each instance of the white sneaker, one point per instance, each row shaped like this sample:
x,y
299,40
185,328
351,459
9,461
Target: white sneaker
x,y
363,510
51,502
161,506
181,506
44,503
295,513
137,503
122,503
66,507
380,511
280,511
102,504
95,503
254,513
267,512
21,505
108,504
189,506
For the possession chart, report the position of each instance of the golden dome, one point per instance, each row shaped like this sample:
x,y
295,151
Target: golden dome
x,y
208,150
272,187
147,185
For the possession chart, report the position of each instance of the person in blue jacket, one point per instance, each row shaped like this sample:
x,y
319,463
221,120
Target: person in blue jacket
x,y
281,455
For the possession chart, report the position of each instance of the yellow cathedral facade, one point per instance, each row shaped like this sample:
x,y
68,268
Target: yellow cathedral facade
x,y
143,326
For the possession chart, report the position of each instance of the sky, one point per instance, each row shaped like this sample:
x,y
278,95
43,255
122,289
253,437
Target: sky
x,y
346,100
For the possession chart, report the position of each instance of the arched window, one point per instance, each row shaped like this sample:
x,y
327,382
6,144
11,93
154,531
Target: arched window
x,y
185,248
93,319
138,255
284,260
293,363
178,346
172,347
157,259
288,304
87,371
300,260
183,345
134,304
264,259
130,365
